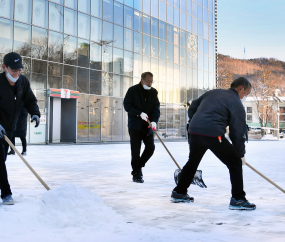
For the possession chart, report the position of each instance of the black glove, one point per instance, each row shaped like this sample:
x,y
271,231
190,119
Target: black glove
x,y
37,119
2,132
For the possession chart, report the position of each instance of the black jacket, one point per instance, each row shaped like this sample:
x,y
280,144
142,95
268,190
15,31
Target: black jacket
x,y
138,100
211,113
10,104
21,126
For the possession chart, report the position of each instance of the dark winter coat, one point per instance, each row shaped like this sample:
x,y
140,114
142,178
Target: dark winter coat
x,y
21,126
138,100
211,113
11,101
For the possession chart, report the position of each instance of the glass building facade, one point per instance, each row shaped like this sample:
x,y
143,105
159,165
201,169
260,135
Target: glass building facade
x,y
101,47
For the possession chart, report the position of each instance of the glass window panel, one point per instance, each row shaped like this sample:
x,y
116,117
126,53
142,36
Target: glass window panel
x,y
200,79
83,53
200,2
154,47
39,75
137,65
162,71
128,63
128,39
58,1
138,42
195,26
183,5
170,33
54,75
107,59
200,28
146,45
118,85
118,61
194,9
176,35
55,17
146,24
162,30
23,10
183,38
169,14
162,49
154,27
206,47
176,3
96,8
118,13
146,63
138,21
40,13
107,84
39,43
138,4
6,35
211,35
211,5
195,59
176,17
154,69
83,25
189,58
170,2
70,50
200,62
169,72
71,4
206,80
200,12
129,15
183,56
84,6
83,118
69,77
211,49
95,117
22,39
70,21
170,52
130,3
107,38
83,80
162,11
182,20
206,63
154,8
206,3
7,9
128,82
189,7
95,82
146,6
189,23
108,10
176,54
95,56
211,65
200,45
118,36
211,19
206,19
206,31
96,30
212,84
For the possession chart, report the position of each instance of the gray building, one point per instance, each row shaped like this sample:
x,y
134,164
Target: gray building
x,y
97,49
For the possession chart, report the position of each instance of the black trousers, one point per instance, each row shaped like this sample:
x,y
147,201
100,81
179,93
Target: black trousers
x,y
4,184
136,138
224,151
24,143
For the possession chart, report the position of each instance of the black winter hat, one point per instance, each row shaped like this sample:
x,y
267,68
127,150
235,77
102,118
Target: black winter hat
x,y
14,60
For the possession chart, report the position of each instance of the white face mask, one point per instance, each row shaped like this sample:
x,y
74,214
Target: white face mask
x,y
12,79
146,87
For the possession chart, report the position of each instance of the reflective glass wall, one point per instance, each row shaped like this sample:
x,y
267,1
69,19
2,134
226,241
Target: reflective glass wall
x,y
101,47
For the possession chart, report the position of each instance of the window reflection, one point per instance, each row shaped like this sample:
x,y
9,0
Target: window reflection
x,y
206,47
83,26
154,8
169,14
170,33
154,47
107,58
154,27
83,53
162,49
200,62
22,39
176,3
96,8
200,12
107,38
118,36
96,30
182,20
69,77
39,75
39,43
128,63
194,9
95,56
70,50
182,56
162,11
107,84
6,34
118,13
95,118
169,73
162,71
84,6
138,5
83,80
189,23
170,52
118,85
183,38
146,63
22,10
200,28
70,21
54,75
108,10
206,31
176,35
195,26
137,65
206,63
146,45
83,118
128,39
162,30
176,54
129,13
154,69
138,21
146,24
176,17
138,42
129,3
55,17
7,10
146,6
71,3
95,82
40,13
206,19
118,61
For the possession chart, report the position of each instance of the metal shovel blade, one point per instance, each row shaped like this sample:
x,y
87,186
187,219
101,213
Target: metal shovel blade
x,y
197,179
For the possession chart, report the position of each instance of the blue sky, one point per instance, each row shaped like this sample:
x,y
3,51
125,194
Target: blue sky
x,y
257,25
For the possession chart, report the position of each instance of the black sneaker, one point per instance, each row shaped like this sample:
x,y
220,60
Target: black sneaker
x,y
181,198
11,152
137,177
24,153
241,204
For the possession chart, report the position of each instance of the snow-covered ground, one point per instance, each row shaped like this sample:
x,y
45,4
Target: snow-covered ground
x,y
93,198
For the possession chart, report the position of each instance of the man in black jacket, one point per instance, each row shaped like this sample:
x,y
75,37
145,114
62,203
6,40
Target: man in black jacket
x,y
210,114
14,90
142,104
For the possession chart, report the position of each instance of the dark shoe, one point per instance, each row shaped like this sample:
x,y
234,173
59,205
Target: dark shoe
x,y
8,200
141,174
137,177
181,198
11,152
241,204
24,153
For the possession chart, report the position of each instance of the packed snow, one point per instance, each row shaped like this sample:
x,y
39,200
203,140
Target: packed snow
x,y
93,198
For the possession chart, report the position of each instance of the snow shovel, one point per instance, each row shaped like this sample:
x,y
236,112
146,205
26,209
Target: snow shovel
x,y
23,159
197,179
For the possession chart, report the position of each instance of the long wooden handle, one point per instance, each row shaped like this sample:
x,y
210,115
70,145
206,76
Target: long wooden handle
x,y
164,145
23,159
265,177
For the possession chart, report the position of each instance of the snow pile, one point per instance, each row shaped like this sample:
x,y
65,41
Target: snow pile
x,y
71,205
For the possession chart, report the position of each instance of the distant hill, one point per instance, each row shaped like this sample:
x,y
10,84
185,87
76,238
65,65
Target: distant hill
x,y
230,68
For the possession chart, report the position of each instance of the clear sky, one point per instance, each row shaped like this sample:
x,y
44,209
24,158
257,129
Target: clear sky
x,y
257,25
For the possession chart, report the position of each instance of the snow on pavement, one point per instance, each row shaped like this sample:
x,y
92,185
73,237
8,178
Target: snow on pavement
x,y
93,198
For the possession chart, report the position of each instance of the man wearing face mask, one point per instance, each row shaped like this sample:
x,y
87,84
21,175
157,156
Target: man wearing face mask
x,y
210,114
142,104
15,91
